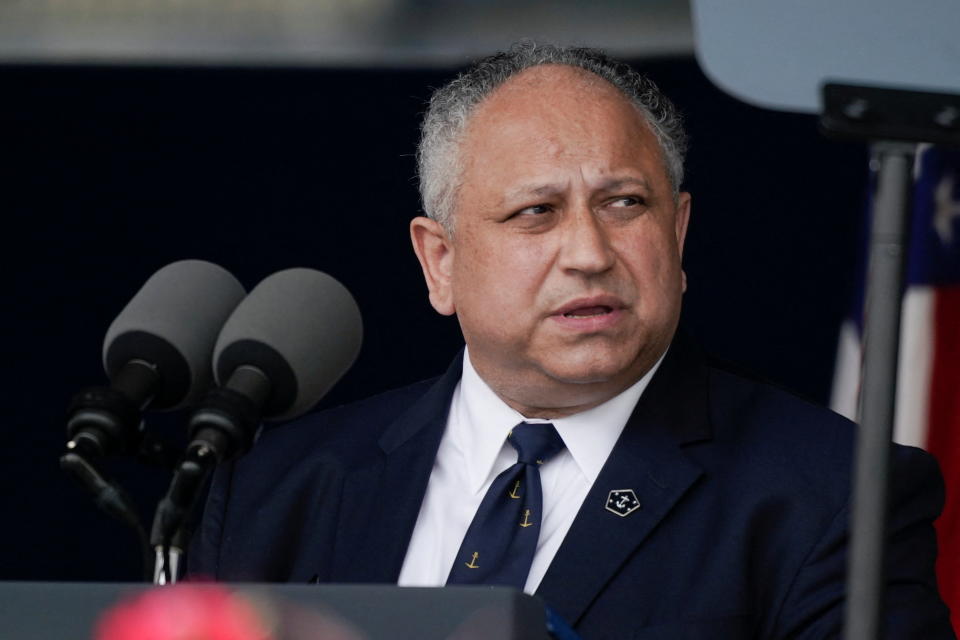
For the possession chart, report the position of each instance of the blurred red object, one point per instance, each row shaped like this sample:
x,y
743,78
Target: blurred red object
x,y
184,612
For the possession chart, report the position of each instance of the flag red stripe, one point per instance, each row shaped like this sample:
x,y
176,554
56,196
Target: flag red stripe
x,y
943,439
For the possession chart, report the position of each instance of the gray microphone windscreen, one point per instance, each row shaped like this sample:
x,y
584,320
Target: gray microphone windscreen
x,y
173,323
302,328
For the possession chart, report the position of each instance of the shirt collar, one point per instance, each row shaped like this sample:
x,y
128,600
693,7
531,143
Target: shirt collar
x,y
483,421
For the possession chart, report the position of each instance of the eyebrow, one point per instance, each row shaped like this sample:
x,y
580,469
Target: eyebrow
x,y
619,183
533,189
542,190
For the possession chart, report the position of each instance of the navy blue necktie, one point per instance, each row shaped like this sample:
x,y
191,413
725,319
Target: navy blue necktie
x,y
499,545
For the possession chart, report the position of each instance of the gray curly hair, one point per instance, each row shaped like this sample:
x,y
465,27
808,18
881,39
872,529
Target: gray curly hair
x,y
438,154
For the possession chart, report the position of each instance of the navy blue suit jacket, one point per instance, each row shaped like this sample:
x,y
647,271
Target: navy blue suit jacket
x,y
742,532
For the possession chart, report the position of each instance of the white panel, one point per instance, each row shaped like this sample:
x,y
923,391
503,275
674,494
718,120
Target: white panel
x,y
777,53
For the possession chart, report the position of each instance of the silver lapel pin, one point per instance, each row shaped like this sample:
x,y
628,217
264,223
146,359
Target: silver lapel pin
x,y
622,502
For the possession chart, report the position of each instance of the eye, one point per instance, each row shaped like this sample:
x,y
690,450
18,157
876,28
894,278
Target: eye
x,y
627,201
536,217
534,210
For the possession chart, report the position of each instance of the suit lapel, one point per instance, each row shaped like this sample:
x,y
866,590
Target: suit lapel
x,y
381,500
646,459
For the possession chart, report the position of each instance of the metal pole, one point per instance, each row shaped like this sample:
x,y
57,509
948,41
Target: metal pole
x,y
881,341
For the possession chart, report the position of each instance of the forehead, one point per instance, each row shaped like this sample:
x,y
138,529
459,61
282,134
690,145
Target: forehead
x,y
551,116
557,79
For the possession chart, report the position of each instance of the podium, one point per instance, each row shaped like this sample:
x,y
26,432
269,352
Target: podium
x,y
43,610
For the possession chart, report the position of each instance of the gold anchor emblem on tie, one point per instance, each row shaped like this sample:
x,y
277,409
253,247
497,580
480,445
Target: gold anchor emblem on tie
x,y
473,561
513,492
526,519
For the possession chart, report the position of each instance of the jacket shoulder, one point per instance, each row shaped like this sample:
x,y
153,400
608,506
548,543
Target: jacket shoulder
x,y
341,430
789,440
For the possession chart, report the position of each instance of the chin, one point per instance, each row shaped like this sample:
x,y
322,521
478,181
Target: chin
x,y
592,371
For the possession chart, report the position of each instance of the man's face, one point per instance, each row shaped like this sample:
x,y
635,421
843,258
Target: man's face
x,y
564,266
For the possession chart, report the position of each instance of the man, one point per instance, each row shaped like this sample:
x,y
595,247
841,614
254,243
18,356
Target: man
x,y
673,500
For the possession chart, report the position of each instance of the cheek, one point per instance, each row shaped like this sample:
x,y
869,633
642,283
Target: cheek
x,y
505,263
499,289
654,265
486,272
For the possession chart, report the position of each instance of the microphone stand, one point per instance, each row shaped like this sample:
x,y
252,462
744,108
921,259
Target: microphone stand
x,y
167,559
220,428
895,120
167,534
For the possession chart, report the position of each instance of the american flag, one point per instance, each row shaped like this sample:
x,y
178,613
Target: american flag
x,y
928,380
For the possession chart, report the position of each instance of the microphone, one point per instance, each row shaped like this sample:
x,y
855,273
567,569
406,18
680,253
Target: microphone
x,y
280,351
156,354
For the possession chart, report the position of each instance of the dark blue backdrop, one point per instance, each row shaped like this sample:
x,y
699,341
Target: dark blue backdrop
x,y
109,173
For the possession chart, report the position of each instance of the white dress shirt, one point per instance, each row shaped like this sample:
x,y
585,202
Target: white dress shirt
x,y
474,451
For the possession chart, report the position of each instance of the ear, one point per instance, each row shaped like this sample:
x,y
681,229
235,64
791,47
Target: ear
x,y
435,253
681,222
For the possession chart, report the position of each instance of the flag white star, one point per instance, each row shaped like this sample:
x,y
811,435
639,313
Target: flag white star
x,y
947,208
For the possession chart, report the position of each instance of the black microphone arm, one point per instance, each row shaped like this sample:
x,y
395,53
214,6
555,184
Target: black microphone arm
x,y
278,354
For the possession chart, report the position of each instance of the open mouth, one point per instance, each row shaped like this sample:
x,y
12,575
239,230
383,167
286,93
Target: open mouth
x,y
588,312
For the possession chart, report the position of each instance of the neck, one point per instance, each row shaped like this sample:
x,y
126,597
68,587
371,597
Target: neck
x,y
552,399
551,413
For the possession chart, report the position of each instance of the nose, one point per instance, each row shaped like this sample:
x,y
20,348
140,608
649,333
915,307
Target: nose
x,y
586,245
